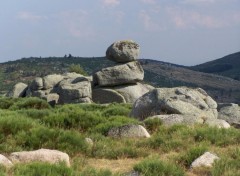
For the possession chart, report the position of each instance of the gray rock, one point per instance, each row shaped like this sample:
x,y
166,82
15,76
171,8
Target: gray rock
x,y
104,96
132,92
180,100
51,81
38,93
77,90
205,160
173,119
36,84
41,155
217,123
18,90
4,161
89,141
52,99
129,131
123,51
229,112
128,73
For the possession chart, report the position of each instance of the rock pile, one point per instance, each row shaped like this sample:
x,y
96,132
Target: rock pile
x,y
66,88
120,83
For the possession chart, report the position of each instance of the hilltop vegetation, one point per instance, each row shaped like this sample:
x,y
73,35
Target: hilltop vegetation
x,y
226,66
30,123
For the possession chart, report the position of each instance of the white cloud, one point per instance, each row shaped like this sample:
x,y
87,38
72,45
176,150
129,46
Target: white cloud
x,y
111,3
30,16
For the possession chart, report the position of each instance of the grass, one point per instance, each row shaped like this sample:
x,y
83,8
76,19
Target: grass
x,y
29,124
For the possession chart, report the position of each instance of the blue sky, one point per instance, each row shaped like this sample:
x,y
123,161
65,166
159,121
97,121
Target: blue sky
x,y
186,32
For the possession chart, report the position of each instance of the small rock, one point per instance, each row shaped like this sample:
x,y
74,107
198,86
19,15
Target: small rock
x,y
5,161
129,131
217,123
205,160
89,141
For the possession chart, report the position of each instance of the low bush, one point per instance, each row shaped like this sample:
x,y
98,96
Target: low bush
x,y
30,103
154,166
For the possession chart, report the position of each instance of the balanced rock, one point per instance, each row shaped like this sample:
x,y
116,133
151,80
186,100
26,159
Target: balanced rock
x,y
179,100
41,155
128,73
129,131
229,112
123,51
74,90
18,90
205,160
4,161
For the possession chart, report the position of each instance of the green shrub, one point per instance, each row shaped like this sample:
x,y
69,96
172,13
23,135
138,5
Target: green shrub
x,y
42,169
77,69
154,166
116,110
220,137
152,125
30,103
6,103
190,155
94,172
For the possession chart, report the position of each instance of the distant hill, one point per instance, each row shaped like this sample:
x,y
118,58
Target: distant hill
x,y
157,73
226,66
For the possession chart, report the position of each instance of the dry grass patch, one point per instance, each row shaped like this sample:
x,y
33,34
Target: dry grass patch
x,y
115,166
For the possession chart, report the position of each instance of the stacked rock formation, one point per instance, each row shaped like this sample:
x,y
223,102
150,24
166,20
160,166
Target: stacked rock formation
x,y
120,83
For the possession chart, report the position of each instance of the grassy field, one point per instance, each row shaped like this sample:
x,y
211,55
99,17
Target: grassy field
x,y
30,123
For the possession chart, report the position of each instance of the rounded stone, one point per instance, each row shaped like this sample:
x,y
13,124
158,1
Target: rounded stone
x,y
123,51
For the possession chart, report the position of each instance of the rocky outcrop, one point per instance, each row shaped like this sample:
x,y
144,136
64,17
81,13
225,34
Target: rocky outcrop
x,y
4,161
179,100
18,90
41,155
129,131
205,160
74,90
120,82
50,81
229,112
123,51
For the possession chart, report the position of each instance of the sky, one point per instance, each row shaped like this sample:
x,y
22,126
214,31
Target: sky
x,y
186,32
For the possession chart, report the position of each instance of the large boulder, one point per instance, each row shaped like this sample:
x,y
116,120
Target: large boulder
x,y
133,91
129,131
50,81
219,123
74,90
105,95
176,119
18,90
229,112
41,155
205,160
128,73
123,51
179,100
